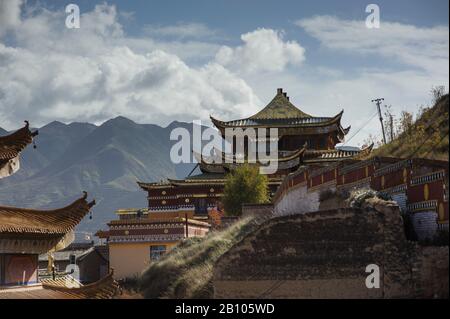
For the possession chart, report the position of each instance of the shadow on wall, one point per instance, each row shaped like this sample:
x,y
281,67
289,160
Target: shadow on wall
x,y
324,254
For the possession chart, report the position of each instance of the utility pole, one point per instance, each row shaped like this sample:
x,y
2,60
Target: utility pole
x,y
378,103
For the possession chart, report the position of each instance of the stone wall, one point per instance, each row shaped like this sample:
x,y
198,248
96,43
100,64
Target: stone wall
x,y
430,272
325,254
257,210
297,200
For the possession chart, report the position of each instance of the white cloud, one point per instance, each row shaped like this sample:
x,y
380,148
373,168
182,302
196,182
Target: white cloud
x,y
9,14
263,50
96,72
424,48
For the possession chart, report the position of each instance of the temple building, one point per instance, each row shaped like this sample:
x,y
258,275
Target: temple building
x,y
302,140
295,127
27,233
138,238
182,208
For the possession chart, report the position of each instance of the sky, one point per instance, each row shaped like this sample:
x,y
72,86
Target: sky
x,y
161,61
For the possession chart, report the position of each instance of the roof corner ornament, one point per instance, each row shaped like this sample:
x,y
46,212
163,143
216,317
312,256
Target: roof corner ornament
x,y
84,195
33,134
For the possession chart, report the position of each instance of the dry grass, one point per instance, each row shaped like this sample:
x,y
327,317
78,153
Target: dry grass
x,y
428,137
186,271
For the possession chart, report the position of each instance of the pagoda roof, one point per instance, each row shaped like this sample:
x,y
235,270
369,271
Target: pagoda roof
x,y
201,179
226,162
105,288
280,108
280,112
223,157
51,222
317,156
11,145
206,177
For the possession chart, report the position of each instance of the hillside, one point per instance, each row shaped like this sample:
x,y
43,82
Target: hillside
x,y
104,160
427,137
186,271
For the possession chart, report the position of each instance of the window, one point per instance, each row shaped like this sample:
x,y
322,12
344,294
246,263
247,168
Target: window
x,y
157,251
201,207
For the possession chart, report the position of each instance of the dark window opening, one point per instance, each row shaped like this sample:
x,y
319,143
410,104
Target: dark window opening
x,y
201,207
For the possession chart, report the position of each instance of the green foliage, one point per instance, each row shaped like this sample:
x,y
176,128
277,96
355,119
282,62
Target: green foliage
x,y
186,271
244,185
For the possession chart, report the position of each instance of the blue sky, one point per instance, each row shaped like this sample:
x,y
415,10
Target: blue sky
x,y
237,16
158,61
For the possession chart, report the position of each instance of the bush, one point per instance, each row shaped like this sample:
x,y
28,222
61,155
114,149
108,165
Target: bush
x,y
244,185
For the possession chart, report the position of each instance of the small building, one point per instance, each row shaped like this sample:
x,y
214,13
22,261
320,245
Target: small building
x,y
138,238
92,261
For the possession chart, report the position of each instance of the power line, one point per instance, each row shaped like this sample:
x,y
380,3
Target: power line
x,y
360,128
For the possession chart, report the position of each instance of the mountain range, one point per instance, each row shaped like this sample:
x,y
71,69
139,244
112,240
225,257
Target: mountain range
x,y
106,161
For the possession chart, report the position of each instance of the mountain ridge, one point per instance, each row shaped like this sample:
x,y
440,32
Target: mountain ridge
x,y
105,160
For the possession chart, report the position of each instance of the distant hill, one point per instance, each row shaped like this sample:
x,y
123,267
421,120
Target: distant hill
x,y
105,160
428,137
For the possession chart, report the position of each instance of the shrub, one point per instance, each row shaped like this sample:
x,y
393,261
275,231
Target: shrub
x,y
244,185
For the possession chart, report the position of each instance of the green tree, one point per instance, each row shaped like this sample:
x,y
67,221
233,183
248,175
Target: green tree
x,y
244,185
